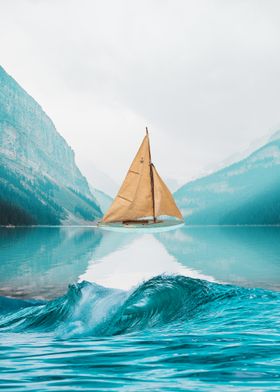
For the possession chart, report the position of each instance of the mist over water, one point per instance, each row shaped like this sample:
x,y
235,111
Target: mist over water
x,y
197,308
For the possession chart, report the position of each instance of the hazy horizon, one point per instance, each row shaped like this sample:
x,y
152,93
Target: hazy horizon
x,y
202,76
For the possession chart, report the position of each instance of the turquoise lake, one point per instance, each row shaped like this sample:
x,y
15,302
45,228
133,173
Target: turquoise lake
x,y
197,308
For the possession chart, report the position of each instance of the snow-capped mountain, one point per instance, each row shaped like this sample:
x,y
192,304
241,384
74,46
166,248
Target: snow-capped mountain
x,y
246,192
39,180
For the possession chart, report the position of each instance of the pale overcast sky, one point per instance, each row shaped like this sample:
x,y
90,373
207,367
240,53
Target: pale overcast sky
x,y
203,75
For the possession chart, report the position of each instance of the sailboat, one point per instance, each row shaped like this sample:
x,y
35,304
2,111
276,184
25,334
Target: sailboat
x,y
143,197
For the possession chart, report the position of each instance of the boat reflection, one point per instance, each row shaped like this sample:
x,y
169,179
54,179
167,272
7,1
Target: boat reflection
x,y
139,258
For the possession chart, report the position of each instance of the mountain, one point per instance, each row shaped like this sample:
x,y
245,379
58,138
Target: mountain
x,y
246,192
39,180
102,199
99,178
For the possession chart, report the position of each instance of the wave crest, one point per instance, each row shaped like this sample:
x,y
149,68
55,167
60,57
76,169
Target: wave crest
x,y
90,309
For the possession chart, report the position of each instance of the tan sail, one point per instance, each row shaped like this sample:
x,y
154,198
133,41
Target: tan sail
x,y
134,199
143,193
164,201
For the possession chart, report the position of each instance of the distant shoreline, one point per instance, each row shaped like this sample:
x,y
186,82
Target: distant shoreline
x,y
95,226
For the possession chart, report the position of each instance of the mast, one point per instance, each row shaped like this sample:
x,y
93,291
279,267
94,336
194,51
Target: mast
x,y
152,177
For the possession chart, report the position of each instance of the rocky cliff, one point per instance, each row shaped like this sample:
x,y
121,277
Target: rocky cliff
x,y
39,180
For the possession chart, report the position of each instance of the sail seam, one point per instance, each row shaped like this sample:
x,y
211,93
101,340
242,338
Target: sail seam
x,y
124,198
132,171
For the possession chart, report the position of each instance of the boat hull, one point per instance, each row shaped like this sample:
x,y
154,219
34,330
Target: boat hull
x,y
150,227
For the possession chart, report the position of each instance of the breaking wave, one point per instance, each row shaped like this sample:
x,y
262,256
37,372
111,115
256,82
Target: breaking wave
x,y
90,309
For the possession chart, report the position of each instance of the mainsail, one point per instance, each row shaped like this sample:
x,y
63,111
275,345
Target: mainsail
x,y
143,194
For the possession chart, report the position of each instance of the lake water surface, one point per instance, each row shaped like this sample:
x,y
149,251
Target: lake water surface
x,y
196,308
